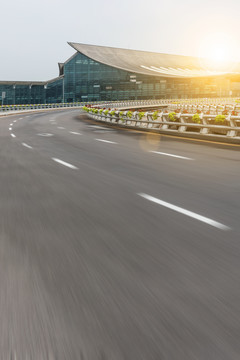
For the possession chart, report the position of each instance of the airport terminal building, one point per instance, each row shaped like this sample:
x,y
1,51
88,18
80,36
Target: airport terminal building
x,y
99,73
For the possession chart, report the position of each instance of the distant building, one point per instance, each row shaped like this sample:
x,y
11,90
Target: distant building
x,y
96,73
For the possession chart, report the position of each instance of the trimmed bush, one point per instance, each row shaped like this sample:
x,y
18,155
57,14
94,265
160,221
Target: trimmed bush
x,y
121,115
129,114
155,115
141,115
196,119
220,118
171,116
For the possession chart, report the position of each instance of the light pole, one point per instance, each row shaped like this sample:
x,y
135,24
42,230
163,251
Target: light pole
x,y
45,93
63,90
30,93
14,95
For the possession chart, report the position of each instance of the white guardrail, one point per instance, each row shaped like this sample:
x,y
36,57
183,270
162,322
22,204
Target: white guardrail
x,y
209,117
196,124
175,103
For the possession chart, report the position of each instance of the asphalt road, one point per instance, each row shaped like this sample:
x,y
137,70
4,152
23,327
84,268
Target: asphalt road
x,y
110,248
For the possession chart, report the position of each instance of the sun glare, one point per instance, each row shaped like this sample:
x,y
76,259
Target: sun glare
x,y
219,54
218,51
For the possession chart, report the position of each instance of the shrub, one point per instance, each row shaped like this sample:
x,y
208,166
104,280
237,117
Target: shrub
x,y
121,115
196,119
141,115
129,114
155,115
220,118
171,116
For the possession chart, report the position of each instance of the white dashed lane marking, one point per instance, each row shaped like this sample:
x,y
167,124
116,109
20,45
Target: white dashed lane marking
x,y
61,127
65,163
10,128
75,133
172,155
185,212
106,141
11,124
13,135
45,134
27,146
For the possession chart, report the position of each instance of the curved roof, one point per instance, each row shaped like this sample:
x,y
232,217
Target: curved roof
x,y
155,64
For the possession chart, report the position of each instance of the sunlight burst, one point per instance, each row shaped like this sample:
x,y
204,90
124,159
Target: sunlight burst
x,y
218,51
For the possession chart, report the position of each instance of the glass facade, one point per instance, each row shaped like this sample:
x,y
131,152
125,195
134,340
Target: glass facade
x,y
22,93
88,80
83,79
54,91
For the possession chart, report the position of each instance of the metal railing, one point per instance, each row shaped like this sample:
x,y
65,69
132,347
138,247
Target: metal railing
x,y
205,124
174,103
8,108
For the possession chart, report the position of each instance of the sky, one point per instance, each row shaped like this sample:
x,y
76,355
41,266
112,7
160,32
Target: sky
x,y
34,34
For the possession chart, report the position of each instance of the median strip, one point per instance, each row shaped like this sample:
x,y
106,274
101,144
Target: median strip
x,y
65,163
185,212
172,155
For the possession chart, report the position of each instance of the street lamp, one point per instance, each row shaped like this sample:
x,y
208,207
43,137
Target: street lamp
x,y
14,94
63,90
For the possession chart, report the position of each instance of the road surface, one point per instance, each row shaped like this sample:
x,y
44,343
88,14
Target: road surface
x,y
116,244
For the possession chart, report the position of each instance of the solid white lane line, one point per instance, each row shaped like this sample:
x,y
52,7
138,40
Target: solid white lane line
x,y
10,128
27,146
176,156
106,141
185,212
75,133
65,163
13,135
61,127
